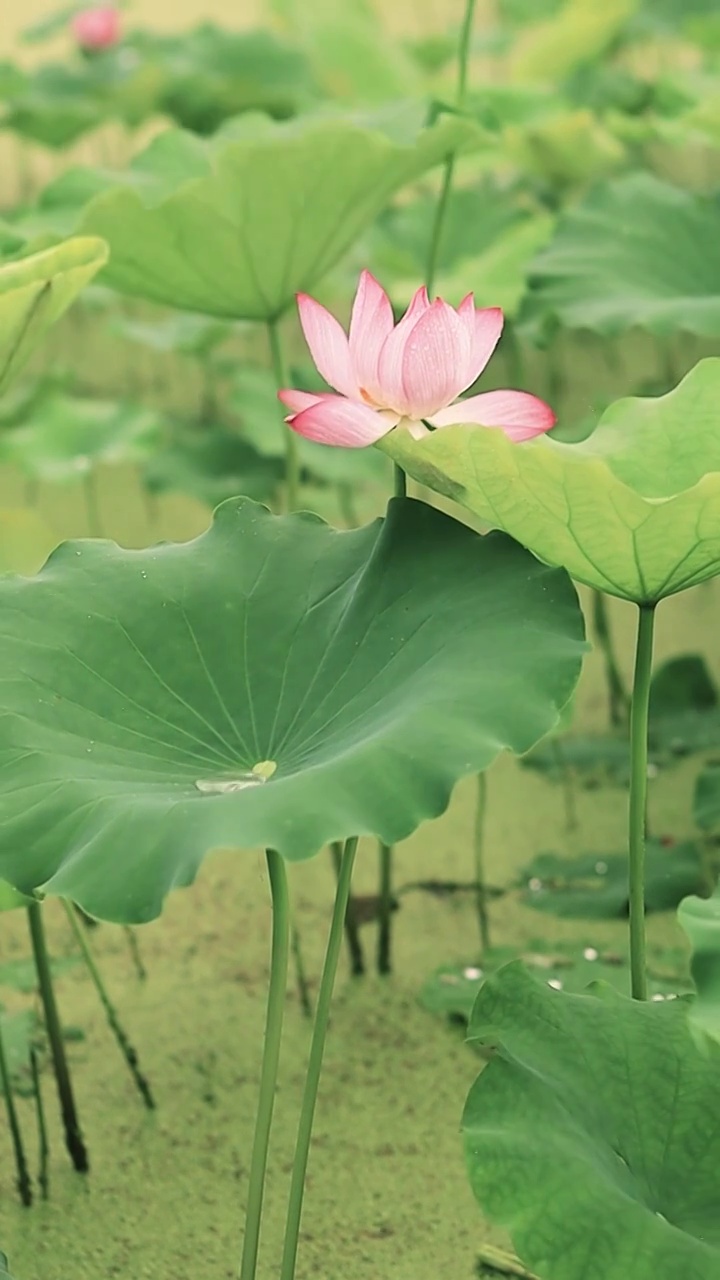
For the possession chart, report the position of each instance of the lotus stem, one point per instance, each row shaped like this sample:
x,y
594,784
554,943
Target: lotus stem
x,y
23,1181
135,953
481,895
280,949
352,931
567,780
619,699
43,1142
400,481
385,909
73,1133
127,1050
314,1068
303,987
463,60
639,710
292,457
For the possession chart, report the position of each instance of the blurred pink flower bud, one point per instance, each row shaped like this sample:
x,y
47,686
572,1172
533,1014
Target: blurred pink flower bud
x,y
97,28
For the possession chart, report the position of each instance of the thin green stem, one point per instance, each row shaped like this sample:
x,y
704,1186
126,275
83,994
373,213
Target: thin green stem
x,y
638,797
352,930
73,1134
280,950
567,779
43,1141
303,985
127,1050
135,952
481,897
24,1184
292,458
463,61
317,1047
400,481
438,224
619,699
385,909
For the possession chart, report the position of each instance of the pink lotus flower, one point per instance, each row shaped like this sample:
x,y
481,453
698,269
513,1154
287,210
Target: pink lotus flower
x,y
97,28
406,374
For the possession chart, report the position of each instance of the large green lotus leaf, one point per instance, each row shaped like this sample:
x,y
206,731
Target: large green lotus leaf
x,y
35,292
700,918
592,1133
236,227
275,682
633,510
65,437
4,1264
498,276
635,252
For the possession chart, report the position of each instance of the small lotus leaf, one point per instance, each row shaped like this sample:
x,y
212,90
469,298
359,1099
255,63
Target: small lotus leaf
x,y
633,510
592,1132
274,682
34,293
700,918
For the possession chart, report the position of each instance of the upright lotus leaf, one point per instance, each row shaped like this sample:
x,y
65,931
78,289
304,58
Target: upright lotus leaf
x,y
566,150
700,918
593,1132
604,271
34,293
353,55
633,510
236,226
275,683
579,32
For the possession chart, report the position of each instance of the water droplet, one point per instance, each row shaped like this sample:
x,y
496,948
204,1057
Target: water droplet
x,y
78,553
143,574
657,997
535,885
472,974
601,868
555,983
257,776
590,953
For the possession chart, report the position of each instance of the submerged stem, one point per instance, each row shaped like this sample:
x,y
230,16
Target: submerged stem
x,y
638,797
73,1133
127,1050
352,931
618,695
43,1142
481,900
317,1047
385,911
271,1056
292,458
24,1184
463,60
